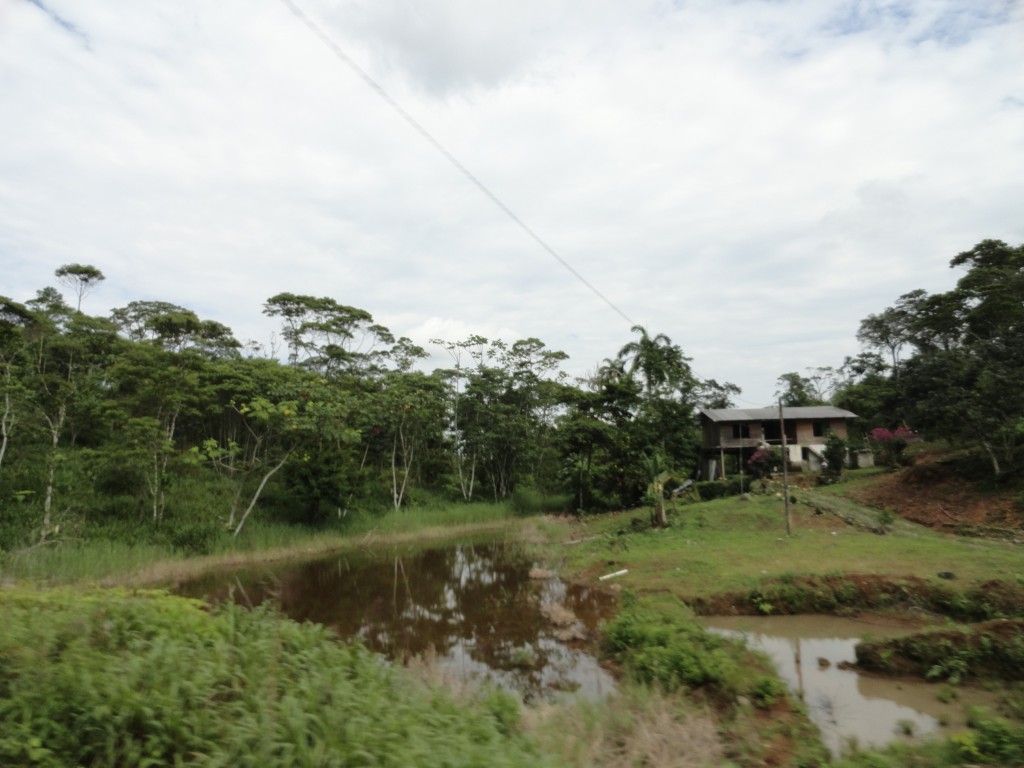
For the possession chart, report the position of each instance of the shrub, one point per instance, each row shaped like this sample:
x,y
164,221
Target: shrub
x,y
889,445
670,649
529,500
994,740
718,489
835,456
117,679
766,691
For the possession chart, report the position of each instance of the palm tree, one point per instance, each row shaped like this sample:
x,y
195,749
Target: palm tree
x,y
661,363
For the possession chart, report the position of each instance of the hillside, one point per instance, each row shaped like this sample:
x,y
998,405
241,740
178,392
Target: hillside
x,y
937,492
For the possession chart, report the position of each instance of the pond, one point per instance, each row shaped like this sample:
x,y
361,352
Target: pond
x,y
483,611
848,707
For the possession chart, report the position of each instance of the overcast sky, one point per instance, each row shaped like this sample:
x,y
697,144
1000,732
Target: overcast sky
x,y
749,177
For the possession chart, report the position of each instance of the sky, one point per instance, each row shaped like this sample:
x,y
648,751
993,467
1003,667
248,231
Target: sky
x,y
750,178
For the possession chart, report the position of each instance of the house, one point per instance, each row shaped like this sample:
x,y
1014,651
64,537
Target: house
x,y
738,432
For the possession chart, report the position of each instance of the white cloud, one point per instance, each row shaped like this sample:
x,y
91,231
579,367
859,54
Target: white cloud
x,y
751,178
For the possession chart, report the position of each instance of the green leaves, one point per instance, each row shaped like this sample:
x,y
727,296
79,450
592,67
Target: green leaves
x,y
117,679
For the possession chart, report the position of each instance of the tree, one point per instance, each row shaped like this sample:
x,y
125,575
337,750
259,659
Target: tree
x,y
864,388
595,438
508,408
834,456
660,476
328,337
887,330
463,453
711,394
796,391
80,278
412,411
15,318
66,371
660,364
963,382
175,329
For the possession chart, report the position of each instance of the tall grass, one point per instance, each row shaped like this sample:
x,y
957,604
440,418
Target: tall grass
x,y
136,549
62,562
437,514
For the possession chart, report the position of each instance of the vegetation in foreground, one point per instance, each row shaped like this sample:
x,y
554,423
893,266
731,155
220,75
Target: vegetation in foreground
x,y
113,678
685,683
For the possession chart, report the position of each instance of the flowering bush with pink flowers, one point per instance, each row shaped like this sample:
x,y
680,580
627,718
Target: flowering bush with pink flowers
x,y
889,444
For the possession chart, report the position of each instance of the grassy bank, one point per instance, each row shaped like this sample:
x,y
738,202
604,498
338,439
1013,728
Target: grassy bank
x,y
735,544
681,687
116,562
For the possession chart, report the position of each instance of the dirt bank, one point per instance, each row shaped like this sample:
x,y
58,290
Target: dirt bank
x,y
932,493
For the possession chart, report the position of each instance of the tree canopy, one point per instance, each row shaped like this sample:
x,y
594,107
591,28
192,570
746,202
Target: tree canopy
x,y
155,419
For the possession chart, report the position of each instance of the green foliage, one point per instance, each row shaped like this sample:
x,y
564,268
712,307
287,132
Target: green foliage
x,y
118,679
528,500
992,649
767,690
961,382
835,456
763,462
670,649
993,740
709,490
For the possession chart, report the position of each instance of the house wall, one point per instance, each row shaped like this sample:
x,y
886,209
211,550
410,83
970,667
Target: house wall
x,y
717,438
717,435
720,436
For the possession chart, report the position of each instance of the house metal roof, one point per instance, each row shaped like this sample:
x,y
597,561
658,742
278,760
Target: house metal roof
x,y
767,414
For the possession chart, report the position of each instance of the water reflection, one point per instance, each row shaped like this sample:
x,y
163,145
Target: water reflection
x,y
475,607
846,706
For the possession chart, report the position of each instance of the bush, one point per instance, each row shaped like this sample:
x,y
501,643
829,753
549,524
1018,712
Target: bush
x,y
835,456
116,679
669,649
528,500
994,740
766,691
718,489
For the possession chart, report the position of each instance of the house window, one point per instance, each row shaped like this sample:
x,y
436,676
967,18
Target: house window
x,y
740,431
773,434
820,428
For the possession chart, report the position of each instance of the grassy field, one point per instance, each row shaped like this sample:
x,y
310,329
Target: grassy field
x,y
730,544
678,688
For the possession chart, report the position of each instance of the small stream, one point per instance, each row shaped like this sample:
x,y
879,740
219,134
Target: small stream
x,y
482,611
849,707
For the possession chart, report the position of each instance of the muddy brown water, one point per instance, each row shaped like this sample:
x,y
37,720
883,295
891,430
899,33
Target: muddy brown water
x,y
851,708
485,612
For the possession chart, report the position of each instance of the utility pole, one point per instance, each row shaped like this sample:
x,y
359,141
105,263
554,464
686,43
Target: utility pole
x,y
785,468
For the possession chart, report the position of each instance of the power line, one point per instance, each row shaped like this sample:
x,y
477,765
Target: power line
x,y
365,77
317,30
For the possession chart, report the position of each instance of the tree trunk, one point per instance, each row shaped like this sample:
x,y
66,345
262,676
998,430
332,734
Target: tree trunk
x,y
259,490
992,457
398,489
6,421
56,425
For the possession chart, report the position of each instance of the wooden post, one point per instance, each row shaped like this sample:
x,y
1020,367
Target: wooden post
x,y
785,469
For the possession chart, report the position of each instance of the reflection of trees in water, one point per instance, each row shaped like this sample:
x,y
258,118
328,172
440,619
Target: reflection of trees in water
x,y
474,601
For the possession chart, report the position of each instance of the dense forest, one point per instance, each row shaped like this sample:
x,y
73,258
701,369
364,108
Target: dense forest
x,y
151,422
945,366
